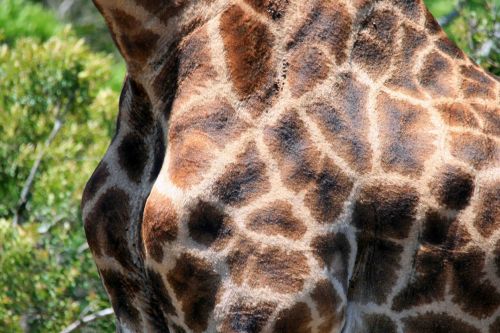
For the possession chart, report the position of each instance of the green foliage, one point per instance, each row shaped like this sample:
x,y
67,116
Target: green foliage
x,y
19,18
48,279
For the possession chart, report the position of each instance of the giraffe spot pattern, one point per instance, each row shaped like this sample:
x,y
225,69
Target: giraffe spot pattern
x,y
457,114
122,291
436,76
495,326
436,323
208,225
277,219
327,302
135,102
290,142
378,323
271,266
333,252
160,224
491,118
296,319
164,11
449,48
161,297
453,187
382,213
329,24
487,220
247,318
133,155
476,83
243,180
107,224
308,67
275,9
401,127
412,9
478,151
158,152
96,181
248,44
195,285
343,120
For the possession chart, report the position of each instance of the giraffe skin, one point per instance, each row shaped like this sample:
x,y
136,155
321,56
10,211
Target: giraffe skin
x,y
297,166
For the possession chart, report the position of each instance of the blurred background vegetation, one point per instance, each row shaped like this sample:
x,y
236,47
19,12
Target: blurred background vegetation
x,y
59,88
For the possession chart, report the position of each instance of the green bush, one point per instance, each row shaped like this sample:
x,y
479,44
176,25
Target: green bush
x,y
48,278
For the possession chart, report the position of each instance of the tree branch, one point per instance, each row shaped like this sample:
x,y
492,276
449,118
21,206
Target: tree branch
x,y
87,319
23,200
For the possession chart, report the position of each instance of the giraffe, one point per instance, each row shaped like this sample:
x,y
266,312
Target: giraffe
x,y
297,166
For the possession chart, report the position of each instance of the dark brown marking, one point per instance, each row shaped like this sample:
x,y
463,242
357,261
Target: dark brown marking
x,y
136,104
122,291
277,219
327,302
195,284
457,114
487,220
96,181
330,190
496,253
477,150
453,187
495,326
436,323
491,118
107,224
436,76
158,152
159,224
431,24
243,180
404,130
411,8
247,318
328,23
344,121
308,67
208,225
294,150
161,296
133,155
378,323
273,8
248,44
296,319
333,251
450,48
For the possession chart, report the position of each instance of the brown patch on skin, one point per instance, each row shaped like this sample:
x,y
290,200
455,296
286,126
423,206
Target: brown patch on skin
x,y
107,224
333,252
158,152
96,181
135,103
195,285
216,120
159,225
327,302
491,118
436,76
296,319
275,9
496,252
470,288
308,67
457,114
495,326
411,8
378,323
374,45
190,156
329,191
243,180
344,121
248,44
133,155
381,213
436,323
283,272
247,318
135,43
161,296
477,75
122,291
447,46
405,140
328,23
178,329
277,219
453,187
292,147
195,70
209,225
487,220
402,78
479,151
431,24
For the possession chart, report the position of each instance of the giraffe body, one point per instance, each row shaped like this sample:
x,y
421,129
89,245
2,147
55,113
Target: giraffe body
x,y
331,166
